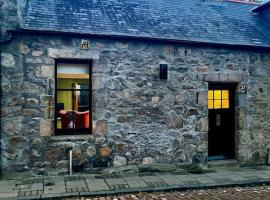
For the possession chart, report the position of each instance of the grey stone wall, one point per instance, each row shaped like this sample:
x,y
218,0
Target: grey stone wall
x,y
138,117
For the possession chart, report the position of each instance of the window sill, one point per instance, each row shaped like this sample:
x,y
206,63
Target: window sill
x,y
61,138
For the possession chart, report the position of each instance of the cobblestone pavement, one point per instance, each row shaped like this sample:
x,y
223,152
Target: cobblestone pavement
x,y
239,193
93,185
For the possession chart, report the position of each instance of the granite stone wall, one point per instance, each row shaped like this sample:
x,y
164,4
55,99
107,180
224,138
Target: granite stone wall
x,y
138,117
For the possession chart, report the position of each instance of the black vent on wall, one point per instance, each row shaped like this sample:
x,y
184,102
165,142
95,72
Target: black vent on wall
x,y
163,71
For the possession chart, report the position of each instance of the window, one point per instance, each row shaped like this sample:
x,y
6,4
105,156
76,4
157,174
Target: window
x,y
218,99
73,97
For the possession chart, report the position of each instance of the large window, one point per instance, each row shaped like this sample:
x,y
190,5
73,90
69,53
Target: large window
x,y
73,97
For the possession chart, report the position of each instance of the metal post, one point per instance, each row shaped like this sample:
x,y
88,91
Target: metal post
x,y
70,162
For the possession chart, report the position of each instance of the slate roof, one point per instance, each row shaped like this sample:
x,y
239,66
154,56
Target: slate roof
x,y
262,8
190,20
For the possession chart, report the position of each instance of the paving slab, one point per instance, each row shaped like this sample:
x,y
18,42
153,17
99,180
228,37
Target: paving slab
x,y
65,186
132,178
205,180
115,181
136,184
151,178
98,187
185,178
169,179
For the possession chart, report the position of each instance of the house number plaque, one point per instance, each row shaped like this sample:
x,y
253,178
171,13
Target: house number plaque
x,y
242,89
85,44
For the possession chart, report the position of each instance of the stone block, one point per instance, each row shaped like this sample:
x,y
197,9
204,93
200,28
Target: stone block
x,y
148,160
35,60
32,101
98,81
155,101
73,53
100,127
46,100
121,45
202,98
24,49
192,111
45,71
119,161
10,110
214,77
37,53
13,125
45,127
223,77
31,112
7,60
54,154
124,119
90,151
28,87
105,151
241,100
16,140
176,122
235,77
202,125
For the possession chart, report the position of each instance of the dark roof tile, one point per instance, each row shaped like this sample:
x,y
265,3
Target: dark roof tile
x,y
193,20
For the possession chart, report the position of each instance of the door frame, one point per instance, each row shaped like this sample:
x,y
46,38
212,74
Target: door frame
x,y
232,99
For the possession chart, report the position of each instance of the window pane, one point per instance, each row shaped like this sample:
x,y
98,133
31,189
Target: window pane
x,y
71,68
225,104
83,100
72,109
217,94
210,94
64,108
65,83
217,104
225,94
210,104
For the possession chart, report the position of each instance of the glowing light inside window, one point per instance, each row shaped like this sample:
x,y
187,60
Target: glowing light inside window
x,y
218,99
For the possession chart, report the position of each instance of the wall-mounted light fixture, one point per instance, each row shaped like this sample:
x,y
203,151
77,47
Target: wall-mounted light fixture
x,y
163,71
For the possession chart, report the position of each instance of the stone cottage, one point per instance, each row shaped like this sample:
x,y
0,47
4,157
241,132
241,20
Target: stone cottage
x,y
124,82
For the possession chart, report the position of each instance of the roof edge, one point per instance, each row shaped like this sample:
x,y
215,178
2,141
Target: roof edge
x,y
150,39
262,8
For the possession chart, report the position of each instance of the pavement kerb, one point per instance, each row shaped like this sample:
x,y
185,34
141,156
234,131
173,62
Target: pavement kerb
x,y
165,189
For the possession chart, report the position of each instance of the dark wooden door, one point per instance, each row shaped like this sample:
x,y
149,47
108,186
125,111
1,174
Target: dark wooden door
x,y
221,113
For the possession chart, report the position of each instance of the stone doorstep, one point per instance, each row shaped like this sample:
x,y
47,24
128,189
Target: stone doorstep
x,y
222,163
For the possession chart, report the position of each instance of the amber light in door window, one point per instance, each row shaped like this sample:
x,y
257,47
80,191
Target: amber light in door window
x,y
218,99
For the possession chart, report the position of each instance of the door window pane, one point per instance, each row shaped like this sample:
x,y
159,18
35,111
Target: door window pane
x,y
218,99
217,104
